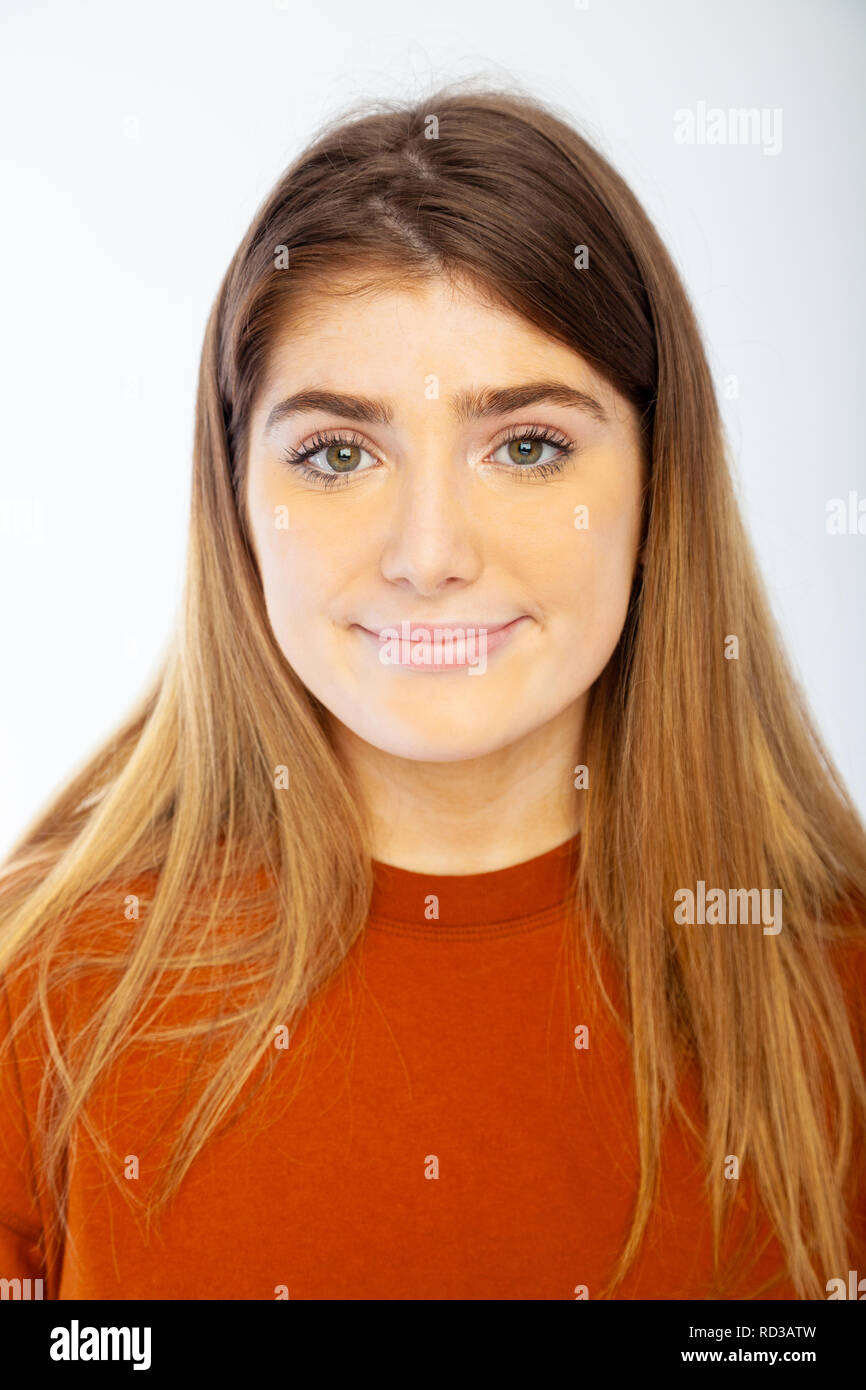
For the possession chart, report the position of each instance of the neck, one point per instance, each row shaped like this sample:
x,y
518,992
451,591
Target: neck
x,y
475,815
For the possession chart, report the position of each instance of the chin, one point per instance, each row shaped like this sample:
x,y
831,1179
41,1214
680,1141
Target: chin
x,y
436,746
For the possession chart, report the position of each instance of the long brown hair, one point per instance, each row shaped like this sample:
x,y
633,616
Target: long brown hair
x,y
701,768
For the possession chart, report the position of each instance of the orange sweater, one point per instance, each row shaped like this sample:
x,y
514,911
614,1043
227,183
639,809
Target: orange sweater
x,y
447,1138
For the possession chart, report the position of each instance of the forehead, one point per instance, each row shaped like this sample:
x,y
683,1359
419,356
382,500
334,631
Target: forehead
x,y
365,332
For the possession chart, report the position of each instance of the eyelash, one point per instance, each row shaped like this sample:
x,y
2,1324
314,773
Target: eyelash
x,y
327,439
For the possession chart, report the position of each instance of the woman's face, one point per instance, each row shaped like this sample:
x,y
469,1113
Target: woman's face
x,y
475,475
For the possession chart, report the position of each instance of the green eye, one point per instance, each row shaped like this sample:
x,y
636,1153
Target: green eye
x,y
525,452
342,456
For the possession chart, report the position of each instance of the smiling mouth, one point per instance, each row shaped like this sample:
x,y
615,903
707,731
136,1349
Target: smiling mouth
x,y
439,647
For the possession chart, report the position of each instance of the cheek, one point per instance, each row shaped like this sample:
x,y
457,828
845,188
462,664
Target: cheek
x,y
302,575
588,570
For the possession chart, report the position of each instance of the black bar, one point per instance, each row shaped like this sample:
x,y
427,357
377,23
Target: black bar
x,y
232,1338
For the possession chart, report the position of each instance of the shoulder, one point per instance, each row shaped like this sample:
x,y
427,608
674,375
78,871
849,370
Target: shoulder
x,y
846,945
846,952
66,948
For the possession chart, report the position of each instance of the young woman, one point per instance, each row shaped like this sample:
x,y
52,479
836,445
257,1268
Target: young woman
x,y
470,908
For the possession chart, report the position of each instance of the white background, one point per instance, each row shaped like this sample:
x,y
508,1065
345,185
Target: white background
x,y
137,141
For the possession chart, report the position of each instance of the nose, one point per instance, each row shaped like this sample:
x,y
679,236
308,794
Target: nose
x,y
433,538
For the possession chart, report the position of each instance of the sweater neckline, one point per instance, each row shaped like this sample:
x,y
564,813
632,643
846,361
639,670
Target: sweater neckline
x,y
503,899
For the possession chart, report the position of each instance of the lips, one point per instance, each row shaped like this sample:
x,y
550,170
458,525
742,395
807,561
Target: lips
x,y
426,631
441,646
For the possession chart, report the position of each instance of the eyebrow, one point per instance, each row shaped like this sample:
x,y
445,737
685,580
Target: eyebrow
x,y
465,405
